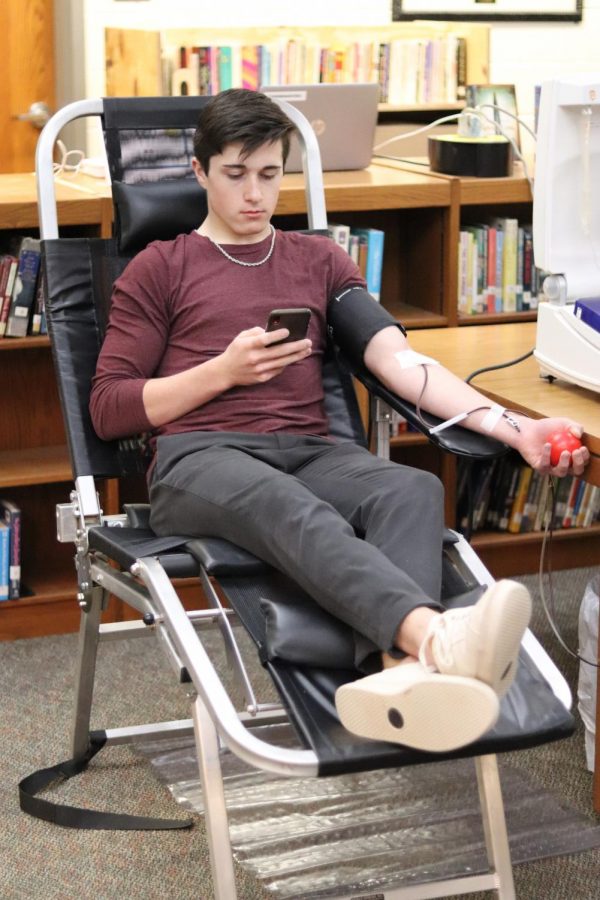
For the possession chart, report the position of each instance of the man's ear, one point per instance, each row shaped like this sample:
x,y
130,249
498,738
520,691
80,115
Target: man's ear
x,y
199,172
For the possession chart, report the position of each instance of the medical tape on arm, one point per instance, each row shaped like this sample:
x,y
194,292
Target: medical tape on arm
x,y
488,423
492,417
408,359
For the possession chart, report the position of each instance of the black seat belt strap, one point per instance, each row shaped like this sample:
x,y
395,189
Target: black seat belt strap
x,y
75,817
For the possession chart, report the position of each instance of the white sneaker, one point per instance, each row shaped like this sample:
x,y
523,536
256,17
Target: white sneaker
x,y
482,641
408,704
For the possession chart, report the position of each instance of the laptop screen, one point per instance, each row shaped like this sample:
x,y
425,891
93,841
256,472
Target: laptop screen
x,y
343,117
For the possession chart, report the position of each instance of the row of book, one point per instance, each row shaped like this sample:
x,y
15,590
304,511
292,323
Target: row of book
x,y
10,550
510,496
496,270
408,71
365,246
21,291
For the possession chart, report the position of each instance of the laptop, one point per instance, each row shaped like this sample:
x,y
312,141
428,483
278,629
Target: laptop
x,y
343,117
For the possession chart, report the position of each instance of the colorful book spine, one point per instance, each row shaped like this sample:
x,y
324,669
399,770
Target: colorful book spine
x,y
4,561
23,296
10,516
516,515
340,234
527,267
6,299
491,287
499,268
509,267
374,265
204,83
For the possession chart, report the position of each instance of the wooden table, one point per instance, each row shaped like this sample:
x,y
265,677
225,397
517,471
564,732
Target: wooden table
x,y
81,200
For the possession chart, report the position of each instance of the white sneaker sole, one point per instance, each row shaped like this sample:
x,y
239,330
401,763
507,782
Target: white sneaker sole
x,y
504,613
420,709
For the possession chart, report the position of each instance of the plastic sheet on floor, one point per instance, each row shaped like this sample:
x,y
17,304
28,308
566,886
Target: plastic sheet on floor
x,y
313,838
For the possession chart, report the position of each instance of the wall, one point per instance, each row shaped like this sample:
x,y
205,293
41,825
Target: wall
x,y
528,54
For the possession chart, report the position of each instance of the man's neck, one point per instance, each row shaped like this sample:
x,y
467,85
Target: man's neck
x,y
219,235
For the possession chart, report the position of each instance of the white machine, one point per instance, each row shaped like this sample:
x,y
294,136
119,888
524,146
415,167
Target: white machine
x,y
566,229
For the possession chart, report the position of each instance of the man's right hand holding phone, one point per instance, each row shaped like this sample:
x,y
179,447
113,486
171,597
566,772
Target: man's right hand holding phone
x,y
255,356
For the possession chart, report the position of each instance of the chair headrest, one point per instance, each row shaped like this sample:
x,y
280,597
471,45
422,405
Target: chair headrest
x,y
156,211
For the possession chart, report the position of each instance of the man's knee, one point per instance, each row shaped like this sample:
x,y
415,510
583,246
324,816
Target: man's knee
x,y
422,487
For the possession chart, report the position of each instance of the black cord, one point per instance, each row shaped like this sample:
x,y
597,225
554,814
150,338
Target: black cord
x,y
512,362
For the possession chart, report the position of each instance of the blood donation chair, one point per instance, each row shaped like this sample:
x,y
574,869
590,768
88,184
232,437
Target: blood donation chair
x,y
306,653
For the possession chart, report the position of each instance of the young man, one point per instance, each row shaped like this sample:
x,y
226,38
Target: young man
x,y
242,448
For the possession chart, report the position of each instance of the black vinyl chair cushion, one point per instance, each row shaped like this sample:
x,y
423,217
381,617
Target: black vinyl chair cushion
x,y
156,211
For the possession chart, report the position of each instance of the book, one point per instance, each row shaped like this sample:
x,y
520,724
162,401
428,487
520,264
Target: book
x,y
374,238
499,488
561,497
37,317
250,67
23,295
583,505
354,248
483,495
4,561
509,498
510,227
572,502
593,506
491,288
204,70
340,234
10,515
531,503
6,297
527,266
463,268
516,513
542,513
225,68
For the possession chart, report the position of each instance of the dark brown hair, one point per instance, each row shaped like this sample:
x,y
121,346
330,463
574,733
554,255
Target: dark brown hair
x,y
240,116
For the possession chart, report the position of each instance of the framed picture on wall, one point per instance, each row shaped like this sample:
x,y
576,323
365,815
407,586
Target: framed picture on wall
x,y
489,10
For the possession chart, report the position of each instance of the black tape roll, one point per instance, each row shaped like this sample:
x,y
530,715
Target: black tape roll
x,y
482,157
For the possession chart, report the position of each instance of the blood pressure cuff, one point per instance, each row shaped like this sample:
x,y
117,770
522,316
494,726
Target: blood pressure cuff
x,y
353,318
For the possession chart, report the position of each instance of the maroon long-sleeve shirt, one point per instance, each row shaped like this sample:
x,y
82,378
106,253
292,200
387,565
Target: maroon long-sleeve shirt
x,y
180,303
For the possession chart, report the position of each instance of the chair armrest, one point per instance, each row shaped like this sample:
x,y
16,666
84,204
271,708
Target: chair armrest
x,y
457,440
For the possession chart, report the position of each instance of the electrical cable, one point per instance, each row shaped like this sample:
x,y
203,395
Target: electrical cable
x,y
407,134
505,365
548,603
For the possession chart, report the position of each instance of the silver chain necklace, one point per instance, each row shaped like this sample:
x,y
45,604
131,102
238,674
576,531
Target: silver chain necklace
x,y
241,262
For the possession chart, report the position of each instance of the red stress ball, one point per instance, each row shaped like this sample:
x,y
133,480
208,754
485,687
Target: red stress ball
x,y
559,441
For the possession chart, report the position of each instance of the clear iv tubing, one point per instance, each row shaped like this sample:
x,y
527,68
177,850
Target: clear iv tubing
x,y
586,185
586,181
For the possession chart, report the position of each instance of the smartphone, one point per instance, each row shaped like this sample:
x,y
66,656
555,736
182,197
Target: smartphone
x,y
295,320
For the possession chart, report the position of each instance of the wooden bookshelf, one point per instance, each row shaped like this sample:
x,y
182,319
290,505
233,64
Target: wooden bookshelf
x,y
34,465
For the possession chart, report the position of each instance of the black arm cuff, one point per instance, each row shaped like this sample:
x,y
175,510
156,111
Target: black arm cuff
x,y
353,318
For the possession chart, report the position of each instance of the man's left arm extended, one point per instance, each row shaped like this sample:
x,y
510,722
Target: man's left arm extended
x,y
445,395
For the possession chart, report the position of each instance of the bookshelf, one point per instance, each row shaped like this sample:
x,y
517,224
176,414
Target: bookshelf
x,y
420,213
34,466
142,62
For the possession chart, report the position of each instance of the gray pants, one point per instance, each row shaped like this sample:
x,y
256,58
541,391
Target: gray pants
x,y
360,535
